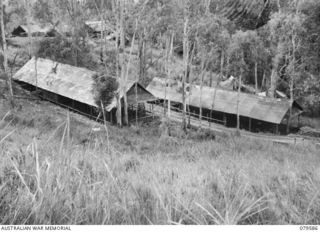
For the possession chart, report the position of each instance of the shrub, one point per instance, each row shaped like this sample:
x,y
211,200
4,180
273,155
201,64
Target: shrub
x,y
104,89
65,51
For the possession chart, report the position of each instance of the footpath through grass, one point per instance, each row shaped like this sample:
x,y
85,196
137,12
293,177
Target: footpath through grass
x,y
57,170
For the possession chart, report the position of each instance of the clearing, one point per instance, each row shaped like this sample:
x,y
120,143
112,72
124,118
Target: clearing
x,y
60,169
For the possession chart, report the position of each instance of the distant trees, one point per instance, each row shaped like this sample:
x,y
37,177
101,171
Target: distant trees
x,y
273,44
62,50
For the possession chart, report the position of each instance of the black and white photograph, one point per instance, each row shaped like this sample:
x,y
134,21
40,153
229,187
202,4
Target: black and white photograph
x,y
187,114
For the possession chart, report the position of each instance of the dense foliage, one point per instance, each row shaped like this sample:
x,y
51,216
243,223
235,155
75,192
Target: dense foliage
x,y
65,51
273,44
105,89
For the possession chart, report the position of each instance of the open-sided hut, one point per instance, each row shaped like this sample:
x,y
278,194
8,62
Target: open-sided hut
x,y
72,87
256,112
35,30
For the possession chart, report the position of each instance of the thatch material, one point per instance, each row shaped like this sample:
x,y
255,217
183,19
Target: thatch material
x,y
69,81
221,100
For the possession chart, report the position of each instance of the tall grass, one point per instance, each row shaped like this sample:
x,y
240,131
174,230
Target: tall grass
x,y
48,175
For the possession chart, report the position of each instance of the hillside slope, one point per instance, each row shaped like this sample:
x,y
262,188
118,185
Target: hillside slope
x,y
56,169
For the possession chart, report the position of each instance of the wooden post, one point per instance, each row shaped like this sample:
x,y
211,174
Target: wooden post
x,y
250,124
277,129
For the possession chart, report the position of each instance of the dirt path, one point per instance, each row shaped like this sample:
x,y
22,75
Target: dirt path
x,y
194,122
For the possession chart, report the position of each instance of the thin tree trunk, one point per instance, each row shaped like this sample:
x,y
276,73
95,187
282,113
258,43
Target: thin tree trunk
x,y
273,83
184,77
4,51
263,84
292,81
141,56
28,27
128,67
239,92
201,88
222,64
238,103
123,73
102,31
118,95
256,77
169,49
274,74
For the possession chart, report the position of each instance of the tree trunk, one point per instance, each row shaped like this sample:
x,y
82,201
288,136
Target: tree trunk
x,y
273,83
184,77
201,88
127,72
28,27
116,9
141,56
238,103
123,72
274,74
102,33
4,52
239,92
221,63
169,47
256,77
263,83
292,75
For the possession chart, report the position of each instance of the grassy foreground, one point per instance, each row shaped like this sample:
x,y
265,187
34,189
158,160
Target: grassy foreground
x,y
55,169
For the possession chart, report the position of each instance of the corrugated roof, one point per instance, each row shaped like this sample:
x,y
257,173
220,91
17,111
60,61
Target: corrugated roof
x,y
252,106
65,80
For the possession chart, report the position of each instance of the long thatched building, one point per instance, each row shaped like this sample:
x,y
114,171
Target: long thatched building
x,y
256,112
72,87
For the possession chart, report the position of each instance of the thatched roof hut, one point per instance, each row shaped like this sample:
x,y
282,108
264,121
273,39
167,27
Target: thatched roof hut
x,y
222,100
71,82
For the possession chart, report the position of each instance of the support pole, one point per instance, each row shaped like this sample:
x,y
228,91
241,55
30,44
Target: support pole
x,y
250,124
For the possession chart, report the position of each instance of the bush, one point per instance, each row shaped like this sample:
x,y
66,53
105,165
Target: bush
x,y
63,50
104,89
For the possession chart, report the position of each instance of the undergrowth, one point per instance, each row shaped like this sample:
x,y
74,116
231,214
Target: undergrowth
x,y
56,168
